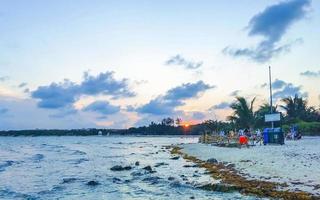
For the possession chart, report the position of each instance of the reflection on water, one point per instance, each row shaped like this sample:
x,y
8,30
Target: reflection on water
x,y
79,168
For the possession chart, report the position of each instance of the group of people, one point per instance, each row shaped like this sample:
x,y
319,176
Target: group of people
x,y
293,134
245,136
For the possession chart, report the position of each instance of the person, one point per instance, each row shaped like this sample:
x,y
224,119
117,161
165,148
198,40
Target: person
x,y
299,136
222,135
243,140
258,136
230,136
293,133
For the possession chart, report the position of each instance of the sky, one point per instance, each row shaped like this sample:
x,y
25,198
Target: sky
x,y
116,64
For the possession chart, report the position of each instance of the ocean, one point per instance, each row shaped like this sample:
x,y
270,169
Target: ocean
x,y
79,168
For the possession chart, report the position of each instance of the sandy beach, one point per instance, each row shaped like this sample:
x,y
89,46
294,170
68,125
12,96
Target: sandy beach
x,y
296,163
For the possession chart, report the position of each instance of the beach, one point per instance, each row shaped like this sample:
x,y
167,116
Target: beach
x,y
295,164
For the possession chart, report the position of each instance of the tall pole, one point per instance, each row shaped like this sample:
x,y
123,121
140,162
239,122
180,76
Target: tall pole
x,y
271,110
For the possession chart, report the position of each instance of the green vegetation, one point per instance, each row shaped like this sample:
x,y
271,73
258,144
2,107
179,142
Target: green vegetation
x,y
243,115
295,112
306,128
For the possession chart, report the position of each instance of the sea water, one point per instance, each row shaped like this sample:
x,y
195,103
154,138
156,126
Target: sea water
x,y
61,167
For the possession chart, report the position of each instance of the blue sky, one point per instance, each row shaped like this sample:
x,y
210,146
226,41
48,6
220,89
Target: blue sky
x,y
79,64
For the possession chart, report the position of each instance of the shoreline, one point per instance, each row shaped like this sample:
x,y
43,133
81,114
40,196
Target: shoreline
x,y
233,180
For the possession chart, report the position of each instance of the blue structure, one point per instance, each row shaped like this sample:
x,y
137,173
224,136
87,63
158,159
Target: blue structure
x,y
273,136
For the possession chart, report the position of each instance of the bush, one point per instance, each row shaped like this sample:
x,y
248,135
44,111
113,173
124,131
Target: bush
x,y
306,128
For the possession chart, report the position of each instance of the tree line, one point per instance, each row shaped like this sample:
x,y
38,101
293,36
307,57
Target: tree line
x,y
294,110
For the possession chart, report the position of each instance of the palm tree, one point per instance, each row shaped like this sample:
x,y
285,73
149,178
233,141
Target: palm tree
x,y
296,108
243,115
178,121
313,114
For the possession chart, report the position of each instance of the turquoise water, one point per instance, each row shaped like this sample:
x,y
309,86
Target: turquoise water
x,y
61,167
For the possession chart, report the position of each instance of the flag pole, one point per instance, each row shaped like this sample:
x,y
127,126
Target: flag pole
x,y
270,84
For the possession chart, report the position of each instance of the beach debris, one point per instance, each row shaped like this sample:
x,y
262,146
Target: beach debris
x,y
231,180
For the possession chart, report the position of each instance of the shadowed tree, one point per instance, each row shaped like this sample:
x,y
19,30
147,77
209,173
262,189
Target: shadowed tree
x,y
296,109
243,115
178,121
167,121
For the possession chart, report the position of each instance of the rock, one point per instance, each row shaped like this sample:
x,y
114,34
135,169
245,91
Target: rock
x,y
38,157
187,166
245,160
175,184
316,187
297,183
230,165
196,175
212,160
120,168
116,168
220,187
171,178
136,174
93,183
160,164
148,168
116,180
68,180
137,163
152,180
127,168
175,158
